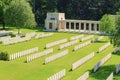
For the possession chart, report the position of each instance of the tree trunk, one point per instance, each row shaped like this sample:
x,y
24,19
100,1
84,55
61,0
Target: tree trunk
x,y
3,25
18,30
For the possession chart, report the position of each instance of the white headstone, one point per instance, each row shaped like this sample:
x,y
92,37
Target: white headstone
x,y
85,76
110,77
117,69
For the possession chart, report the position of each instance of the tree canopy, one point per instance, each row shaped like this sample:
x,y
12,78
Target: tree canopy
x,y
107,23
73,9
115,38
19,13
3,5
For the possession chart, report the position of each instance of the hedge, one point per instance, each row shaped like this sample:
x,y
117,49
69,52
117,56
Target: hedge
x,y
4,56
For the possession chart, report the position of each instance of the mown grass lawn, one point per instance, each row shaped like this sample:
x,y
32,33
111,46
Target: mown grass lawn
x,y
36,70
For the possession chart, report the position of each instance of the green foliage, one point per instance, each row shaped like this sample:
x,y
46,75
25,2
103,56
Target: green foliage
x,y
5,2
88,9
41,7
4,56
74,9
19,13
115,38
3,5
107,23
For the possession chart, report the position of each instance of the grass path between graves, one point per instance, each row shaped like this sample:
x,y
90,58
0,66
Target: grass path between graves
x,y
36,70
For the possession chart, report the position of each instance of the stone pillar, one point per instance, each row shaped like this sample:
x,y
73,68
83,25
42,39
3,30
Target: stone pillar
x,y
84,27
74,26
90,27
59,25
79,27
69,26
95,27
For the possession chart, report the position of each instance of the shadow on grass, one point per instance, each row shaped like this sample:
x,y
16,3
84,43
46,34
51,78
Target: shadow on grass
x,y
101,42
7,28
103,72
38,29
117,53
70,70
117,77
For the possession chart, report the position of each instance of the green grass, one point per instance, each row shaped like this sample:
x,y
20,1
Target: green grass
x,y
36,70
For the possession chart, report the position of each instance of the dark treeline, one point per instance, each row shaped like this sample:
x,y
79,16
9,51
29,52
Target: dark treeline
x,y
73,9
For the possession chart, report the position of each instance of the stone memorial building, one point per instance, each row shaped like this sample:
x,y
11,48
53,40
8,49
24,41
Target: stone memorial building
x,y
57,22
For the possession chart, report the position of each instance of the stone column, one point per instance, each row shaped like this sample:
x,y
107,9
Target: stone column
x,y
79,27
84,27
59,25
95,27
90,27
74,26
69,26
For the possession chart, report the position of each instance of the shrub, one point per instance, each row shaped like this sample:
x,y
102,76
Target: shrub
x,y
4,56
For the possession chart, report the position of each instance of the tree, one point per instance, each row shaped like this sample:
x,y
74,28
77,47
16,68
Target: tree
x,y
3,5
41,8
19,13
88,9
107,23
115,38
74,9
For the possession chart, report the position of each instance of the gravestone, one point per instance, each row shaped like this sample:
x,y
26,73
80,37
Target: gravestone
x,y
117,69
56,56
85,76
82,61
110,77
103,61
116,49
58,76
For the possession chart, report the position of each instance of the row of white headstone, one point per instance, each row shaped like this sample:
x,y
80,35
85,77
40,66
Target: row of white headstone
x,y
87,38
104,47
116,49
38,35
43,35
31,34
100,63
56,43
18,39
110,77
27,37
22,53
3,33
15,40
76,37
11,40
58,76
4,38
82,61
38,55
98,39
56,56
82,45
117,69
68,44
85,76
